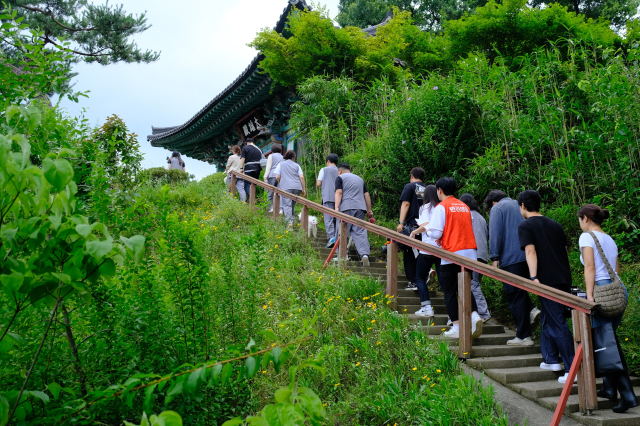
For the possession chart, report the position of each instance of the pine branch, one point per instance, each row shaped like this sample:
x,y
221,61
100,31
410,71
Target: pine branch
x,y
50,14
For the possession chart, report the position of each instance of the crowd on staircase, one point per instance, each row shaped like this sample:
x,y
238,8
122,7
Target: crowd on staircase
x,y
518,239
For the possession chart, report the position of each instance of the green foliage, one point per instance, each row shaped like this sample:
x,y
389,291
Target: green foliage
x,y
100,33
27,69
511,29
160,175
616,12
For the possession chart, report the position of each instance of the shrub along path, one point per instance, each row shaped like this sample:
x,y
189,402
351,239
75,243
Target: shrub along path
x,y
517,367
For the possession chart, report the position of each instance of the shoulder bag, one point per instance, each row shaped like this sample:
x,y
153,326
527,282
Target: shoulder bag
x,y
610,297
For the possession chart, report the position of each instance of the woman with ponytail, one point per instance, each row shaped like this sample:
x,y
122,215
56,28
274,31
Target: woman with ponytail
x,y
596,274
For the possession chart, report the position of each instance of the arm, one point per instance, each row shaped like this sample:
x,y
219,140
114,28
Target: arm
x,y
495,236
532,261
589,271
267,169
404,209
318,183
278,177
242,166
304,186
338,199
367,201
422,228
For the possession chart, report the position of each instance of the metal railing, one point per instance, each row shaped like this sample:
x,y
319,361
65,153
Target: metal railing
x,y
582,309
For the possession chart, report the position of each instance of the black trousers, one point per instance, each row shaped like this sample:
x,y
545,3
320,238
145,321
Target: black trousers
x,y
410,262
448,277
519,301
247,185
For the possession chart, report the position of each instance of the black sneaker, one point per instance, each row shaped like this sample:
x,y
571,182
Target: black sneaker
x,y
411,286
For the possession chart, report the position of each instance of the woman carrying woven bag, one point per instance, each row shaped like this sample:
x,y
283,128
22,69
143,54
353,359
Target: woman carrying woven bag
x,y
598,253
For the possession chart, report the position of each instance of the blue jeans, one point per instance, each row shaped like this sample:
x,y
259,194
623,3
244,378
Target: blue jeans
x,y
556,340
423,265
598,320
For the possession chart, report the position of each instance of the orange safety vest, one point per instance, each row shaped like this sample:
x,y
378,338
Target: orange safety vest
x,y
458,229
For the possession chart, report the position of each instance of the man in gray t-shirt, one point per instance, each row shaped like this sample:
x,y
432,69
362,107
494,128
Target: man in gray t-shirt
x,y
291,179
327,183
352,198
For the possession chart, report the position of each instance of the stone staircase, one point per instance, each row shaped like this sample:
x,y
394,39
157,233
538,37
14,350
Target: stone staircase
x,y
516,367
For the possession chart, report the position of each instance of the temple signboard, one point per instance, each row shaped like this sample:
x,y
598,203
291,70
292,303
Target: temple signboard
x,y
250,126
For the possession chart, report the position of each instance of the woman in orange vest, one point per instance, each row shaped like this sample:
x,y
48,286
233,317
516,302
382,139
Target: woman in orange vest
x,y
451,225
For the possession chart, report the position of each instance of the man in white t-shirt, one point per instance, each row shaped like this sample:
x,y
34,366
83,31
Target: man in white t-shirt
x,y
451,225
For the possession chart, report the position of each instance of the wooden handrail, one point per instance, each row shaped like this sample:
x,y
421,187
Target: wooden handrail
x,y
551,293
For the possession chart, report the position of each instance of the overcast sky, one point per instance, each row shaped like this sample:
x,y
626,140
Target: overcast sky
x,y
203,47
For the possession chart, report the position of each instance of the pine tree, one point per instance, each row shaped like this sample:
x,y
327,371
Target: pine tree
x,y
98,33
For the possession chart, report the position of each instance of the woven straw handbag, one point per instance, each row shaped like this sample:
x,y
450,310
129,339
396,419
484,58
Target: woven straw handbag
x,y
611,297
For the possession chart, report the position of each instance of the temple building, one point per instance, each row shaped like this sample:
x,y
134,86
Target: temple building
x,y
250,107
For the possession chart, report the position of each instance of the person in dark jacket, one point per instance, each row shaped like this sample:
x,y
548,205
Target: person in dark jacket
x,y
505,252
412,200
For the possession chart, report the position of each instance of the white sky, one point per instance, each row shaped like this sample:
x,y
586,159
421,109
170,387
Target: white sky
x,y
203,48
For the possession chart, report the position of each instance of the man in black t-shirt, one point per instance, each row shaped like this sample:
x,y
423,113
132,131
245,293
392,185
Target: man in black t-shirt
x,y
250,154
409,212
545,245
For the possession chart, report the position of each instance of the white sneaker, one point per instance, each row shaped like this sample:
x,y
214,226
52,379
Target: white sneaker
x,y
365,261
425,311
282,212
520,342
271,210
453,333
534,316
563,379
551,367
411,286
476,325
449,322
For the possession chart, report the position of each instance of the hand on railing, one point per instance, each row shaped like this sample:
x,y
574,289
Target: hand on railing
x,y
413,234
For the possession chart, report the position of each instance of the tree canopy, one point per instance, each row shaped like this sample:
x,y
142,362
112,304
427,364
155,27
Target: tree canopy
x,y
98,33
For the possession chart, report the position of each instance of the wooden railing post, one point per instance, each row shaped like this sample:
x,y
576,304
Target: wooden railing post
x,y
464,313
232,187
276,206
588,369
344,240
304,221
392,273
252,196
577,338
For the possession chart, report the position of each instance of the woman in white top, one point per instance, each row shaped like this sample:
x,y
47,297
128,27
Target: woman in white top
x,y
233,165
425,260
596,274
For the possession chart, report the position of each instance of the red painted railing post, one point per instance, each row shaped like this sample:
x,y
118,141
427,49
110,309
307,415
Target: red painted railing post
x,y
566,390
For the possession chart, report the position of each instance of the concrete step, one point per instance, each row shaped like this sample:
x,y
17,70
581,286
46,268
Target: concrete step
x,y
548,388
438,309
437,320
507,376
414,293
439,329
505,361
483,340
551,403
502,350
609,418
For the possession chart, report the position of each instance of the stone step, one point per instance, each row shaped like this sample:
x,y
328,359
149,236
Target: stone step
x,y
507,376
609,418
548,388
414,293
502,350
483,340
505,361
437,320
436,300
573,406
438,309
439,329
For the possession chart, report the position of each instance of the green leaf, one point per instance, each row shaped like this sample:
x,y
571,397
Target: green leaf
x,y
275,354
136,245
147,406
177,390
55,221
57,172
215,374
55,389
192,383
226,373
38,394
170,418
12,282
98,249
233,422
250,367
6,344
64,278
282,395
108,268
250,344
4,411
85,230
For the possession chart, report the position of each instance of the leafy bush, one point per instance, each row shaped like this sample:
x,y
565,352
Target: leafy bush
x,y
160,175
